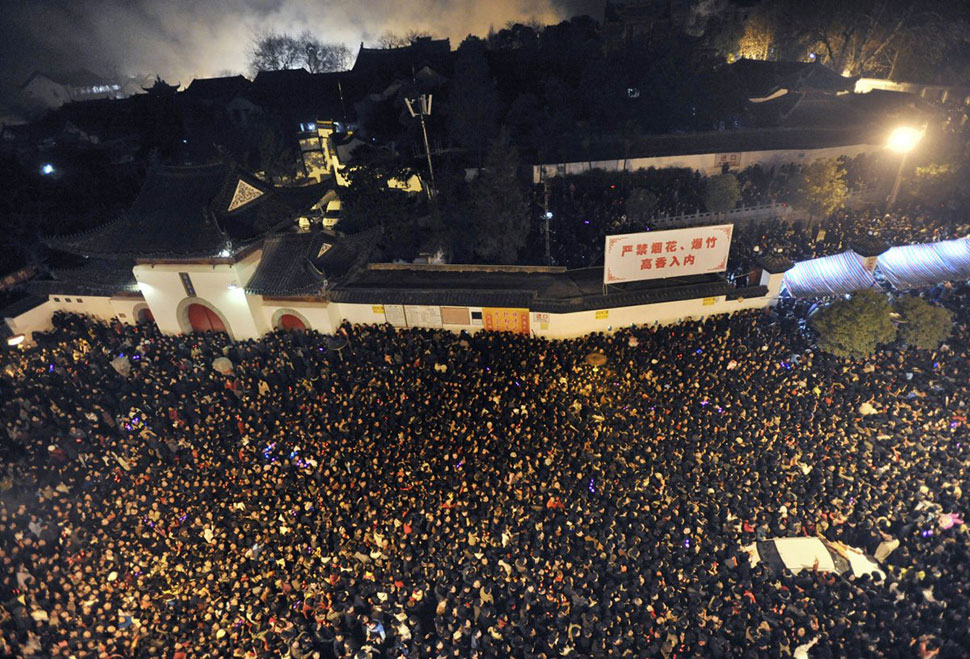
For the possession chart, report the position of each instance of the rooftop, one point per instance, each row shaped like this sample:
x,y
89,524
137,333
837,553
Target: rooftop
x,y
193,212
551,291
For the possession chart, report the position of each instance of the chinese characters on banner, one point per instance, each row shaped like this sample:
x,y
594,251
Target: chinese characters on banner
x,y
506,320
662,254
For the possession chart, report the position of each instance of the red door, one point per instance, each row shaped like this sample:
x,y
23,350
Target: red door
x,y
204,319
290,322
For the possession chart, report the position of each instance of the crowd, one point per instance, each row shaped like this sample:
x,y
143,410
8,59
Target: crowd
x,y
835,234
586,208
416,493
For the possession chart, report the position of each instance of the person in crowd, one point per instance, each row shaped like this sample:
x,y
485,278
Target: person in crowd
x,y
518,503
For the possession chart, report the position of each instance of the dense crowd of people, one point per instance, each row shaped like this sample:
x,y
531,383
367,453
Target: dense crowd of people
x,y
586,208
416,493
800,241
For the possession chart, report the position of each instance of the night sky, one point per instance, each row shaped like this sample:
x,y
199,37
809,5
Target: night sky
x,y
185,39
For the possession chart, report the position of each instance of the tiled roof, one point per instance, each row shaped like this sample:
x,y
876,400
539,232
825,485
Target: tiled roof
x,y
286,266
391,62
22,305
183,212
216,89
759,78
866,246
303,263
556,292
774,263
95,277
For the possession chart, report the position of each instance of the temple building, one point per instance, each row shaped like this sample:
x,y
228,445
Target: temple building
x,y
214,248
208,247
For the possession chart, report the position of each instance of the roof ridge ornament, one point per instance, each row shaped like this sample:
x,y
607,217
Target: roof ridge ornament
x,y
245,193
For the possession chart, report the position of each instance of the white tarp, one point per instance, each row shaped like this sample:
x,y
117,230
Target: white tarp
x,y
801,553
662,254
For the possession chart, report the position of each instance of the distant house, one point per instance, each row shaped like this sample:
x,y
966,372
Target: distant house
x,y
46,91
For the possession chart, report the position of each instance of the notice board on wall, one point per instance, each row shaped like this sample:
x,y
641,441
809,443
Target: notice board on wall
x,y
420,315
394,314
455,316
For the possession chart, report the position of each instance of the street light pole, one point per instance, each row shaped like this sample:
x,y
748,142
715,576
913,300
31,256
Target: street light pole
x,y
423,108
896,183
902,141
548,216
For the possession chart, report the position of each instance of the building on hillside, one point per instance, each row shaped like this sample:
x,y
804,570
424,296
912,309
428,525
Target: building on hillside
x,y
184,253
213,248
793,113
762,80
46,91
628,22
388,64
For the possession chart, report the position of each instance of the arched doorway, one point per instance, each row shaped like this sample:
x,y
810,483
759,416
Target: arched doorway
x,y
144,315
290,322
204,319
195,314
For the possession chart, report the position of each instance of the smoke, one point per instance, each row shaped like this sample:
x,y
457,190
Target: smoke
x,y
184,39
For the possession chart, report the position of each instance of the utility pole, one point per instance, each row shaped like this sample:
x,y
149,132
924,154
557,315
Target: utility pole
x,y
423,107
548,216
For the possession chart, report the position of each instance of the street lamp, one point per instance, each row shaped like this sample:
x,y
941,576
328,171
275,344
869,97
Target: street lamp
x,y
902,140
421,107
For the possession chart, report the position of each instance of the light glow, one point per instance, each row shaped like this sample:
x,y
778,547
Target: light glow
x,y
16,340
904,139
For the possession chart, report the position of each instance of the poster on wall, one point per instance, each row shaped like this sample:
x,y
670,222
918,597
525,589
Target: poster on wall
x,y
732,160
394,314
420,315
663,254
455,316
506,320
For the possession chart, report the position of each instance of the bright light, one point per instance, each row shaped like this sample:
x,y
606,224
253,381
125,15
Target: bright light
x,y
548,215
47,169
233,287
16,340
904,139
225,253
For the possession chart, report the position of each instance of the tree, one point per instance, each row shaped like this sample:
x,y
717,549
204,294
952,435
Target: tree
x,y
391,39
921,324
497,207
938,183
863,37
320,57
721,193
272,51
855,327
820,187
758,35
473,104
278,157
368,201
